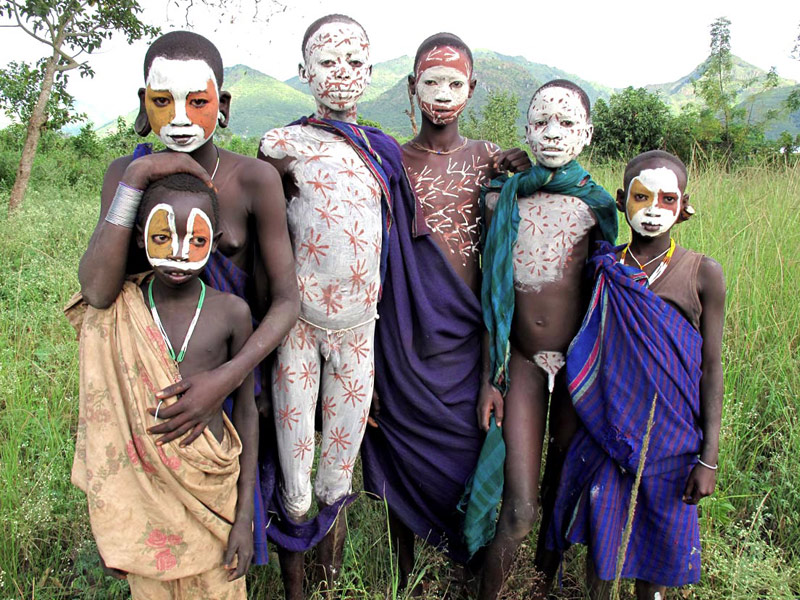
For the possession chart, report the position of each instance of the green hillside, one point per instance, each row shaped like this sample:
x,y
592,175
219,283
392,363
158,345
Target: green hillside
x,y
261,102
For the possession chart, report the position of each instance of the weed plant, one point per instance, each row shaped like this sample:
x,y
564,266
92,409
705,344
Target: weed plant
x,y
746,219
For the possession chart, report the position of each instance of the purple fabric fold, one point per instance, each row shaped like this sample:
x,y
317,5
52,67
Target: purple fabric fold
x,y
427,376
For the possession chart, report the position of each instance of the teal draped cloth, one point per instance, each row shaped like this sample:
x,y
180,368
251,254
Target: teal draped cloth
x,y
497,299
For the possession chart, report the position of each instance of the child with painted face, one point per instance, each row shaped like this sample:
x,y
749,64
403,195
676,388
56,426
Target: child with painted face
x,y
343,183
431,396
533,297
659,351
175,520
182,103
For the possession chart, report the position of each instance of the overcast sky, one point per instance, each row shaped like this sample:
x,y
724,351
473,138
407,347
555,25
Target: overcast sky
x,y
615,43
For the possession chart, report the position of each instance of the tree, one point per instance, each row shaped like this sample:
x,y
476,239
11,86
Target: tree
x,y
497,122
70,29
19,87
633,121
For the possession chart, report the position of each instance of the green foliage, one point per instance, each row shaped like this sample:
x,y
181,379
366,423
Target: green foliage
x,y
20,84
368,122
496,123
633,121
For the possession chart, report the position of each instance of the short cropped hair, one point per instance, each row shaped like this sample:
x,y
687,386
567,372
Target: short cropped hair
x,y
442,39
185,45
569,85
178,182
334,18
632,169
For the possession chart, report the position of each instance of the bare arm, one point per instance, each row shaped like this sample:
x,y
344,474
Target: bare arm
x,y
711,289
103,266
245,420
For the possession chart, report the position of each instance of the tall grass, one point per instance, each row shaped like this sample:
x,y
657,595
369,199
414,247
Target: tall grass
x,y
750,528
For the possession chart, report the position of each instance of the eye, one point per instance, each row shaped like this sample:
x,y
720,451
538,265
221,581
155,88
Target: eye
x,y
540,123
198,102
567,123
429,82
160,238
161,101
327,63
640,197
356,64
199,241
457,84
669,199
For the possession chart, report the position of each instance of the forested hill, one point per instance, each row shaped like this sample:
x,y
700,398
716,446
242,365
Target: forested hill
x,y
261,102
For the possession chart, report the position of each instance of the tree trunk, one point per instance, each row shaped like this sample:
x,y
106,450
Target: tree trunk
x,y
34,132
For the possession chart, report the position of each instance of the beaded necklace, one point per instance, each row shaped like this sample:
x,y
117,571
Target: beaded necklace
x,y
659,271
192,325
440,152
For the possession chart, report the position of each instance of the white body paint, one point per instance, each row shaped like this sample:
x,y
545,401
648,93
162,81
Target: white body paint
x,y
558,126
181,78
180,247
337,67
551,225
655,180
442,93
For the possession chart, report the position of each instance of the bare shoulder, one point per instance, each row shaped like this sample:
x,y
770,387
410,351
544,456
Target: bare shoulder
x,y
710,280
228,307
116,169
482,148
251,173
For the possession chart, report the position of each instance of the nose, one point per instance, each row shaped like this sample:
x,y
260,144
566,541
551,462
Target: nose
x,y
552,131
443,94
342,73
180,118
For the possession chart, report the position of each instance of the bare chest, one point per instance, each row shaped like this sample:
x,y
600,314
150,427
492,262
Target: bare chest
x,y
551,226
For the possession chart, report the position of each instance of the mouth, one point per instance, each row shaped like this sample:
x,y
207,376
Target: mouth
x,y
182,140
176,276
651,227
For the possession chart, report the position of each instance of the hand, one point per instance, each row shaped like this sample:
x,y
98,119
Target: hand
x,y
515,160
147,169
203,395
489,400
115,573
240,547
700,484
374,410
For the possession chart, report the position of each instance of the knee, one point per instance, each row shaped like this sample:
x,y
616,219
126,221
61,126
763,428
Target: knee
x,y
517,517
297,505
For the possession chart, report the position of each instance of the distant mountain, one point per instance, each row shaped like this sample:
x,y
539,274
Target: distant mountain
x,y
261,102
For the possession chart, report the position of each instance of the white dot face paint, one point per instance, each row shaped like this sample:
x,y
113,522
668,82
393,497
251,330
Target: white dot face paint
x,y
337,67
558,126
442,83
169,246
182,102
653,203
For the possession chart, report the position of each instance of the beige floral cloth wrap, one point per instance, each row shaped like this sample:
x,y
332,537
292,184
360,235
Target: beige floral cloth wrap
x,y
158,512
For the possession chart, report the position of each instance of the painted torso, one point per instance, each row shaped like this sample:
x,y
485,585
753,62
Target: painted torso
x,y
551,226
334,218
448,188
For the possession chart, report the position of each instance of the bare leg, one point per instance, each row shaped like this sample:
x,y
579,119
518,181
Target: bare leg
x,y
649,591
523,430
403,541
329,553
598,589
563,421
292,573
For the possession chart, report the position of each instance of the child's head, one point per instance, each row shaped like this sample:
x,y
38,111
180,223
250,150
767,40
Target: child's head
x,y
559,123
442,78
654,197
182,102
336,63
177,219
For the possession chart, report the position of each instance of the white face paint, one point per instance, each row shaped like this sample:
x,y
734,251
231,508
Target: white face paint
x,y
654,201
182,102
167,249
337,67
558,126
442,93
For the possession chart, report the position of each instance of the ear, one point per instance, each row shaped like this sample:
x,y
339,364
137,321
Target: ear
x,y
302,73
687,210
217,235
412,84
621,200
473,82
589,133
139,237
142,123
224,108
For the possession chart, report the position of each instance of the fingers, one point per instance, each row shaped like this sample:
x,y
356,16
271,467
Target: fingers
x,y
198,429
174,389
498,412
242,564
172,435
372,422
689,494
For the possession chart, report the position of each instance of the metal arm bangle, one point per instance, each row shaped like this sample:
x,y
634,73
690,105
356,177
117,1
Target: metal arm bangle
x,y
706,465
124,206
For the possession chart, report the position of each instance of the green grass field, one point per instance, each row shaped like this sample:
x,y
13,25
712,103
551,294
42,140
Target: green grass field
x,y
750,527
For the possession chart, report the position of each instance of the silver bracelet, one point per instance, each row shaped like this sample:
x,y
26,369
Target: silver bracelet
x,y
706,465
124,206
